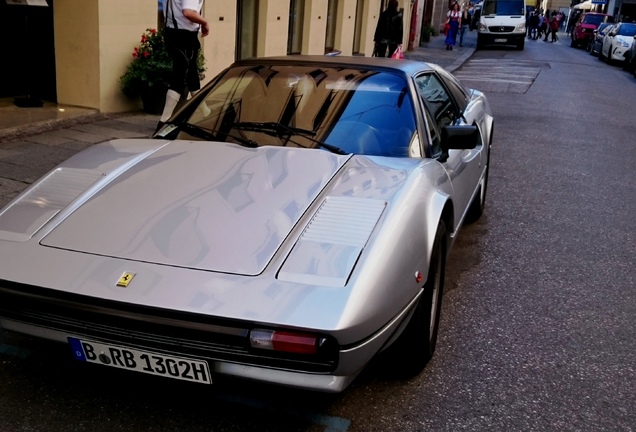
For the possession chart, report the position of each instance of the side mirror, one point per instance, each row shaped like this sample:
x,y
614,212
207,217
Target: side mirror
x,y
462,137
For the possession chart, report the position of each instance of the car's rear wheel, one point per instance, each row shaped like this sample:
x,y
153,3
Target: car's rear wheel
x,y
601,56
478,204
521,44
573,43
608,58
628,64
415,346
480,42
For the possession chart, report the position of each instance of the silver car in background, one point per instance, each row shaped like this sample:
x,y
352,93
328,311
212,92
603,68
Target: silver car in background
x,y
288,224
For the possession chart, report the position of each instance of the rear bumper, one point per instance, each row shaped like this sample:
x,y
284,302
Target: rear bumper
x,y
223,344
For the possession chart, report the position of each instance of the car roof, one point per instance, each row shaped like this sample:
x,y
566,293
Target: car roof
x,y
408,67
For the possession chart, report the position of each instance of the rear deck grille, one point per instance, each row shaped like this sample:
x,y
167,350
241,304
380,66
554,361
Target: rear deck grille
x,y
156,330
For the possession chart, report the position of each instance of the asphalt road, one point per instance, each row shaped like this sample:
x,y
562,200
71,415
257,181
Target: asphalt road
x,y
538,317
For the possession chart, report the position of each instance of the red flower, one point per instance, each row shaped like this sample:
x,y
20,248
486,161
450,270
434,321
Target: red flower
x,y
146,54
153,31
134,54
143,38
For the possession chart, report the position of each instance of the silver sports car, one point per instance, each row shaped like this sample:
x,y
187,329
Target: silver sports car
x,y
288,224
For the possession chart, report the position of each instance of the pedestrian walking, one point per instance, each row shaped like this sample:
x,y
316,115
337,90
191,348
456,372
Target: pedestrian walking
x,y
553,27
183,24
533,24
543,26
453,20
389,32
464,22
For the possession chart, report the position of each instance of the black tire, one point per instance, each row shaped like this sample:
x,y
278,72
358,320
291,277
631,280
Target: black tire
x,y
414,348
600,53
478,204
629,64
480,42
573,43
521,44
608,59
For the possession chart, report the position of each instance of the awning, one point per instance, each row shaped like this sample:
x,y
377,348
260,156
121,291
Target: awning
x,y
586,5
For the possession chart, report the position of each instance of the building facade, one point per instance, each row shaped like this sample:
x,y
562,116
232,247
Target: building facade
x,y
75,50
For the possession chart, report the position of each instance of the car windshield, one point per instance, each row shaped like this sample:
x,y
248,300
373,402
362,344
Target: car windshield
x,y
593,19
503,7
627,30
358,111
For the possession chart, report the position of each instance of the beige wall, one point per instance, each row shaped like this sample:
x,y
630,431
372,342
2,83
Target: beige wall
x,y
314,27
346,25
369,23
94,41
77,52
273,24
219,47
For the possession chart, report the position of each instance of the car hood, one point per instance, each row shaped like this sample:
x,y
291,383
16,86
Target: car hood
x,y
208,206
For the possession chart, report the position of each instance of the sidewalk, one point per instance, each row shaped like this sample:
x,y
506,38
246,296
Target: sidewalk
x,y
435,51
35,140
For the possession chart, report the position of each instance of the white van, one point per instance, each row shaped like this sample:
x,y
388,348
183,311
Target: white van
x,y
502,22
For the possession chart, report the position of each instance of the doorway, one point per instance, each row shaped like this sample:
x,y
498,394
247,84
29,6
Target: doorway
x,y
28,51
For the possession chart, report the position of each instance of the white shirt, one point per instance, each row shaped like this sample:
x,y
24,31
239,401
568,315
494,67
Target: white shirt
x,y
177,6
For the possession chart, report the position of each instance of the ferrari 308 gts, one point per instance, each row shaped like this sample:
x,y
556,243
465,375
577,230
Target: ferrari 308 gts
x,y
287,224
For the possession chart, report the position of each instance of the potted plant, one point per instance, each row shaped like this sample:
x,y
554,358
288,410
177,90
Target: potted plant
x,y
427,31
148,74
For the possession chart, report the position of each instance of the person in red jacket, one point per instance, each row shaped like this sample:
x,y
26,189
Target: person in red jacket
x,y
553,27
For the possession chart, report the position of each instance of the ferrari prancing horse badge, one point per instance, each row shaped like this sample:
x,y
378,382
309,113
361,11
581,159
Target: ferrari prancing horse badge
x,y
125,279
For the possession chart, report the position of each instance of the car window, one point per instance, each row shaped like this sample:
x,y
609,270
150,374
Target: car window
x,y
593,19
436,99
438,102
626,30
460,94
361,111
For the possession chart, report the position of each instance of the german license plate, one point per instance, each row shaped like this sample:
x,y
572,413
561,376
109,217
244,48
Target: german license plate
x,y
141,361
501,40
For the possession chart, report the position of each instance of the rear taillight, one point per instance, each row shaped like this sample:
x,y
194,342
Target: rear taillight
x,y
284,341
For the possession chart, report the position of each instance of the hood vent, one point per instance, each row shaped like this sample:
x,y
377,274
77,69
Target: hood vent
x,y
328,249
29,212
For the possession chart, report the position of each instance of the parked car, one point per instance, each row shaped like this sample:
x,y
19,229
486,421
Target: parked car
x,y
474,21
595,46
583,31
630,58
617,42
287,224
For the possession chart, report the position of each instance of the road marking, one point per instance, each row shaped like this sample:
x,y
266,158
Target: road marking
x,y
501,75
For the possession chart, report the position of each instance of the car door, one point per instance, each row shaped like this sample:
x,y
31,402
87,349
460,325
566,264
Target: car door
x,y
608,42
441,109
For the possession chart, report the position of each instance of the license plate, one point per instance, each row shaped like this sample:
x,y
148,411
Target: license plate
x,y
501,40
141,361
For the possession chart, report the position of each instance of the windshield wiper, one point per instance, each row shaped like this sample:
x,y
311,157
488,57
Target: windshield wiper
x,y
280,130
209,135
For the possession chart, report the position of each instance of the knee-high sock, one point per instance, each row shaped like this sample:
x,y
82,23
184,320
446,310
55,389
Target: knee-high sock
x,y
172,98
